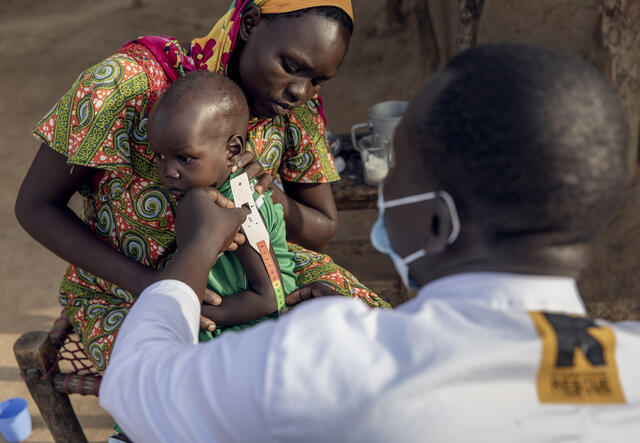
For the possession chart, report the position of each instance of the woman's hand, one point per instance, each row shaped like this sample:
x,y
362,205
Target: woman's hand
x,y
309,208
254,169
213,299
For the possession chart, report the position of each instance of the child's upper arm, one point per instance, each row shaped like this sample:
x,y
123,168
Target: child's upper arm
x,y
256,272
252,262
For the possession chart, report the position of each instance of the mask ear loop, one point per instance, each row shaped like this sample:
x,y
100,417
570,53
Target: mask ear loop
x,y
448,200
455,220
410,200
414,256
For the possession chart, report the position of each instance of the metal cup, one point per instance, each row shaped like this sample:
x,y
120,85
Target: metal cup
x,y
382,121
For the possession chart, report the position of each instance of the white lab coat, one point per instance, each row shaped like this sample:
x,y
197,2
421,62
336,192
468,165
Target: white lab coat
x,y
458,363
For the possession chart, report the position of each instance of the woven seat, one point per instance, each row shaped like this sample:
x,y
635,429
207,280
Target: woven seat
x,y
54,365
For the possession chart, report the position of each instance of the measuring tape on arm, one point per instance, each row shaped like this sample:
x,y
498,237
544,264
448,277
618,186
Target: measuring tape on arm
x,y
256,233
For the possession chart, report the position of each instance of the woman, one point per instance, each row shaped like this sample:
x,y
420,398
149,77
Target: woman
x,y
95,142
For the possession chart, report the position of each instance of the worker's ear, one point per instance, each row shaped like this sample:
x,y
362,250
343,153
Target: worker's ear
x,y
439,228
235,148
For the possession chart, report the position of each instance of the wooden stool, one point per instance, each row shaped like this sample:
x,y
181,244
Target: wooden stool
x,y
40,356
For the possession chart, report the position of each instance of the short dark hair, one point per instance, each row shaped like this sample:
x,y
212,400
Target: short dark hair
x,y
198,85
533,139
334,13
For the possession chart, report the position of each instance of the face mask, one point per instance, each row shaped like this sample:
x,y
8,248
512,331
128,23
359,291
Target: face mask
x,y
380,238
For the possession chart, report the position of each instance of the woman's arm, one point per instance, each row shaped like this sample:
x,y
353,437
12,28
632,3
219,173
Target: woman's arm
x,y
41,208
256,302
310,213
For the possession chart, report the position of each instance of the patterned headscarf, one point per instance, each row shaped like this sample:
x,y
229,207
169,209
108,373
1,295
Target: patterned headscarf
x,y
213,51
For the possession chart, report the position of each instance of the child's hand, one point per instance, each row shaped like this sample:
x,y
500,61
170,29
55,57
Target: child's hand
x,y
253,168
210,298
313,290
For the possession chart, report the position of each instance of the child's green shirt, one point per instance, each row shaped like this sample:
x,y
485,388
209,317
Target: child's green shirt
x,y
227,276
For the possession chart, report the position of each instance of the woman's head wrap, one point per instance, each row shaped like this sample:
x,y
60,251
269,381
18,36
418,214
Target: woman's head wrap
x,y
213,51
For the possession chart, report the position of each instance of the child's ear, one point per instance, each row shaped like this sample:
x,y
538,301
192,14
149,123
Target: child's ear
x,y
235,148
250,18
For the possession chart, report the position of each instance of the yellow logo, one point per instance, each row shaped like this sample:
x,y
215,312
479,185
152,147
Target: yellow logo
x,y
578,361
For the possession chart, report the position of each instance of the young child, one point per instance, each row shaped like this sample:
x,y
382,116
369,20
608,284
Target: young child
x,y
197,130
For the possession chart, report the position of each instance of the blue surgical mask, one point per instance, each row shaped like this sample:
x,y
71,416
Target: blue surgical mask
x,y
380,238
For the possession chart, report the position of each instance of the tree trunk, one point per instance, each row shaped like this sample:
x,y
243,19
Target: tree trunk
x,y
394,13
469,23
429,42
620,26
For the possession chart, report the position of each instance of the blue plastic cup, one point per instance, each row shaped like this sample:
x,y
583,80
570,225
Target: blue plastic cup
x,y
15,420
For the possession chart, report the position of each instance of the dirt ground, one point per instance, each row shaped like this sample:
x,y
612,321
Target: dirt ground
x,y
45,44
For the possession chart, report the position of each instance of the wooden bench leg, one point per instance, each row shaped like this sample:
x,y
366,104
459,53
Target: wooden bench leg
x,y
36,358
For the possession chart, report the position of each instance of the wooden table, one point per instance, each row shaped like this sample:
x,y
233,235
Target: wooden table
x,y
351,192
373,269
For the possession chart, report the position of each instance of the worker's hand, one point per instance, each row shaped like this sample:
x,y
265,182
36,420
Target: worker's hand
x,y
313,290
253,168
209,222
210,298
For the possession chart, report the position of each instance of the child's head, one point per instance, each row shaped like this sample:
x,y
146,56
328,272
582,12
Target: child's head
x,y
197,129
283,59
